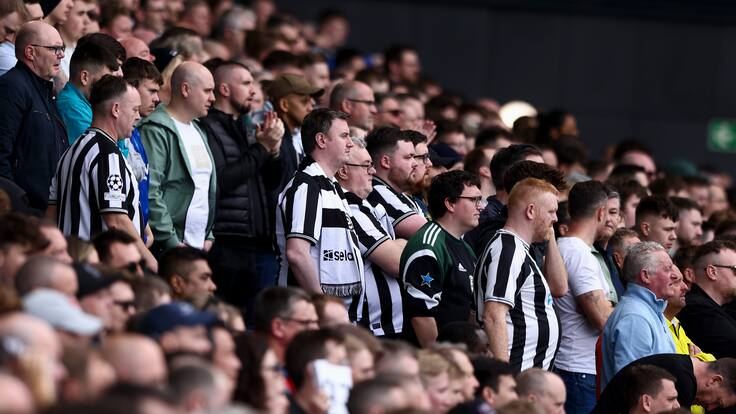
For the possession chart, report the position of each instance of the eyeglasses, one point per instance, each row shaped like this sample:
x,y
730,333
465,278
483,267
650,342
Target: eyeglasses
x,y
132,267
478,200
363,101
732,267
368,167
422,157
126,305
306,323
58,50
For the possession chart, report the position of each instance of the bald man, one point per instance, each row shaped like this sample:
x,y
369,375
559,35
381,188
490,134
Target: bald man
x,y
182,182
136,359
32,135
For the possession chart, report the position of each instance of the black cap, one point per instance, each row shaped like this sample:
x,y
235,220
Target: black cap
x,y
91,280
169,316
48,6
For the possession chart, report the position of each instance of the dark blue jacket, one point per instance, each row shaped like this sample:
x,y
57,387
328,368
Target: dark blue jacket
x,y
32,135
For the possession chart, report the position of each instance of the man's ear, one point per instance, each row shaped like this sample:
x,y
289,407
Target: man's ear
x,y
115,110
488,395
484,172
185,89
385,162
224,89
84,77
644,228
346,106
530,211
342,173
283,105
321,140
600,213
646,402
449,205
177,284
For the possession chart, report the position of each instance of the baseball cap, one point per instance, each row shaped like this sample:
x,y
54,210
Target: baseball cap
x,y
164,318
58,311
91,280
290,83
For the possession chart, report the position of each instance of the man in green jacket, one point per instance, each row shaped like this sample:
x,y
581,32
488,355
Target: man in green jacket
x,y
182,183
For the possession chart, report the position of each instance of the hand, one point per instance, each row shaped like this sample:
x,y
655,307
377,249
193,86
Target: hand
x,y
694,350
151,263
426,127
207,245
270,132
149,236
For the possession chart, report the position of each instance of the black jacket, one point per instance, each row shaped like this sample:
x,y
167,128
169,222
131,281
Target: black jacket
x,y
244,176
708,324
32,135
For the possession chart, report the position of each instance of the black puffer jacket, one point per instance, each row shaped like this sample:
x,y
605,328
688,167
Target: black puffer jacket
x,y
32,135
244,175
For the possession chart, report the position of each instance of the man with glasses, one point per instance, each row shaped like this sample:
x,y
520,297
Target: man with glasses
x,y
280,313
707,323
437,265
420,179
118,250
389,111
32,135
381,252
356,99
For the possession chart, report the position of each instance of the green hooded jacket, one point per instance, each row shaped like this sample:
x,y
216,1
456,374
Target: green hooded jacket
x,y
170,186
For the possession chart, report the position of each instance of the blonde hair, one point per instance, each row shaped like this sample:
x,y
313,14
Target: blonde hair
x,y
527,190
432,364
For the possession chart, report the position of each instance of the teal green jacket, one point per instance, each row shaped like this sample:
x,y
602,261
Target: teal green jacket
x,y
170,186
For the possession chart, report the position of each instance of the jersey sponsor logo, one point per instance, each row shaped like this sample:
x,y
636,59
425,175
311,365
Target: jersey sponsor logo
x,y
426,280
338,256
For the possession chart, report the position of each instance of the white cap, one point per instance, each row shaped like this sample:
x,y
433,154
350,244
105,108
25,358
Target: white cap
x,y
58,311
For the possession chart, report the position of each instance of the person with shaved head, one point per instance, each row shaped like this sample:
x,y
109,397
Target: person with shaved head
x,y
136,359
182,183
32,135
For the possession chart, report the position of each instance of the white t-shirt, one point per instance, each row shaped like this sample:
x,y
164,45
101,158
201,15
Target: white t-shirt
x,y
195,228
577,343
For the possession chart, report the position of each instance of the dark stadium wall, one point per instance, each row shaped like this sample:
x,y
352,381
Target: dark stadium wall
x,y
659,78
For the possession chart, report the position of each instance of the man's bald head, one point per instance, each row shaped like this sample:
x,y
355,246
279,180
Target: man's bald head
x,y
136,359
36,333
192,91
191,73
35,32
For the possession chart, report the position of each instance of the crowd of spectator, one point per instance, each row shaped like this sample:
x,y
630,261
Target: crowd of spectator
x,y
214,207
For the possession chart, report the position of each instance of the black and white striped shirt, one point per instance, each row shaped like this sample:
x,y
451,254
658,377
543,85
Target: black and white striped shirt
x,y
312,207
398,205
507,273
93,178
382,311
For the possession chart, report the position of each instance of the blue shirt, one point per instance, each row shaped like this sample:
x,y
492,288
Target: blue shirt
x,y
134,152
636,329
75,110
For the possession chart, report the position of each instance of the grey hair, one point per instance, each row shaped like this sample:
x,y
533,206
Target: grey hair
x,y
358,141
641,257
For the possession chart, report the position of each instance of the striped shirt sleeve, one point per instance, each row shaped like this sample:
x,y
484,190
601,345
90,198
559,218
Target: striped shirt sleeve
x,y
368,229
302,207
503,269
395,207
111,183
